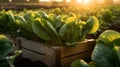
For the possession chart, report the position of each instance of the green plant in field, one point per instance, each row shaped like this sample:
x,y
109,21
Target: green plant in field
x,y
7,22
55,20
24,19
24,22
73,32
106,52
6,46
69,31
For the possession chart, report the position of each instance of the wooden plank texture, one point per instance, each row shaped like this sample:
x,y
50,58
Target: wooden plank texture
x,y
56,56
66,62
48,60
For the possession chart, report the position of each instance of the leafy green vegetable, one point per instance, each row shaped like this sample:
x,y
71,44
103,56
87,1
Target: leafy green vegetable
x,y
92,25
79,63
106,52
55,20
73,32
39,30
7,22
6,46
61,30
70,32
45,30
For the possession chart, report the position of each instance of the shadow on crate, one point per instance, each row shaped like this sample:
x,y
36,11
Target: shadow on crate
x,y
25,62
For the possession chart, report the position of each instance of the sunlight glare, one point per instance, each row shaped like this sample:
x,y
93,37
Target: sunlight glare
x,y
27,0
79,1
100,1
58,0
10,0
68,1
86,1
44,0
115,1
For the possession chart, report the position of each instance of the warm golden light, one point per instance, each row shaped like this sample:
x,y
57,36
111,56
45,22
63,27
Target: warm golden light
x,y
44,0
27,0
115,0
100,1
86,1
79,1
58,0
10,0
68,1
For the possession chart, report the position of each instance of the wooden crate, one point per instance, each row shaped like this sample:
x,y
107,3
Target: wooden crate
x,y
56,56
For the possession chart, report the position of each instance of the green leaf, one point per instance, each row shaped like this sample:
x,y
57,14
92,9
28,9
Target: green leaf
x,y
11,16
109,36
71,33
4,63
92,25
55,20
43,14
92,64
48,26
62,31
5,46
106,51
59,22
11,59
20,20
107,15
52,18
46,31
103,56
52,28
72,44
70,20
79,63
116,50
40,30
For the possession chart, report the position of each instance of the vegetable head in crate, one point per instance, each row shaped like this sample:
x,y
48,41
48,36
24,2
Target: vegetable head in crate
x,y
70,32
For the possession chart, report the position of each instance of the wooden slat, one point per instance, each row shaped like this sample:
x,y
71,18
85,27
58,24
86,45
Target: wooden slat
x,y
38,47
55,56
66,62
82,47
48,60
